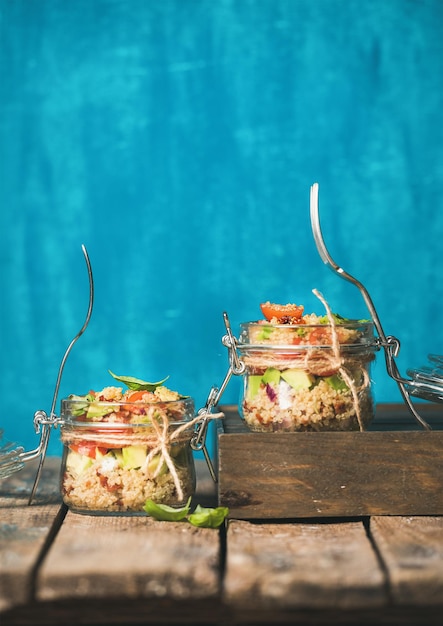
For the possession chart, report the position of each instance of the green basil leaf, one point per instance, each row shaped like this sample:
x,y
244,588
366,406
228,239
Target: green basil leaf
x,y
165,513
136,384
207,517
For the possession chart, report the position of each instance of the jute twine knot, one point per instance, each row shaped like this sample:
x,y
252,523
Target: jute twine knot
x,y
332,362
165,438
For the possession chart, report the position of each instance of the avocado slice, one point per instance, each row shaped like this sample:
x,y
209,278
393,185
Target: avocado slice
x,y
118,454
272,375
96,410
254,383
153,465
336,382
176,449
77,463
133,456
298,379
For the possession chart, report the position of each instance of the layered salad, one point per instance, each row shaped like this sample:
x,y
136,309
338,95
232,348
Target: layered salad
x,y
125,446
306,372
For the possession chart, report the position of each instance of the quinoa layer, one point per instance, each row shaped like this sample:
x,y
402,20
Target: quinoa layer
x,y
102,485
283,408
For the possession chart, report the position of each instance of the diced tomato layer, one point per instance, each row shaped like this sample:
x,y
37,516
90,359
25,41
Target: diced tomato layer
x,y
135,396
88,449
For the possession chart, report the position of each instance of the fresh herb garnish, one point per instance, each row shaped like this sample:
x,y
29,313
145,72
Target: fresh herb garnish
x,y
203,517
165,513
136,384
265,333
207,517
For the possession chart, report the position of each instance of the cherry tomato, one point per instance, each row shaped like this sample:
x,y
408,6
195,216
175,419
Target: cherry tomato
x,y
134,397
282,311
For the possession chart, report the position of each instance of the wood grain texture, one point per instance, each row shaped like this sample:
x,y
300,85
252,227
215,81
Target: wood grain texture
x,y
105,557
313,566
133,570
24,531
412,551
329,474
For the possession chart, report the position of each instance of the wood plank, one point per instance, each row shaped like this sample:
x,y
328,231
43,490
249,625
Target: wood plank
x,y
25,530
329,474
412,551
302,566
141,612
20,484
108,557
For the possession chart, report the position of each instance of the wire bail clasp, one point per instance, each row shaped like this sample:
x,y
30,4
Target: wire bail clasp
x,y
236,367
41,419
42,422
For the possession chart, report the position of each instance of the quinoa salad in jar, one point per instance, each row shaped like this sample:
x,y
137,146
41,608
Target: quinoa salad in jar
x,y
121,448
305,372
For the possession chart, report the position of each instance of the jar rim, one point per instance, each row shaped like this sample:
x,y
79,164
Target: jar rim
x,y
82,400
364,338
350,323
74,411
357,349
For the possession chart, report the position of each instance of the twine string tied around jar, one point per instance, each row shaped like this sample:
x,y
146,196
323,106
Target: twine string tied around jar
x,y
334,361
164,440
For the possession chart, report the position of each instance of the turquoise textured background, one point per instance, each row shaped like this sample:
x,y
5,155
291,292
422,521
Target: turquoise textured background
x,y
177,140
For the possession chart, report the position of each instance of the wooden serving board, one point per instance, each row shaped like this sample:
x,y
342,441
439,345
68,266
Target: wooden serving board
x,y
396,468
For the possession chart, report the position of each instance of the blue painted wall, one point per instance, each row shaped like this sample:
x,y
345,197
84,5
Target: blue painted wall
x,y
178,139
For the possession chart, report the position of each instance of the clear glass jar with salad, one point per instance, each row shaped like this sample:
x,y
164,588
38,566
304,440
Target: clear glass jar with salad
x,y
122,448
305,372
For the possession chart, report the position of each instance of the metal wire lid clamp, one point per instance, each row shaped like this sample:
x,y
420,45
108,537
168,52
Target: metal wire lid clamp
x,y
236,367
389,343
13,460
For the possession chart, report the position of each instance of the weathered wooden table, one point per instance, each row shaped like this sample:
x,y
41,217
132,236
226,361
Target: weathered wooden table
x,y
58,567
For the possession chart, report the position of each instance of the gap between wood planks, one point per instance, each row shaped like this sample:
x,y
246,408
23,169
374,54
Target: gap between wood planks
x,y
52,534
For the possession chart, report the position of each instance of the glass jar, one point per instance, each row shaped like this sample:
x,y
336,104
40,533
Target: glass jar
x,y
113,466
306,377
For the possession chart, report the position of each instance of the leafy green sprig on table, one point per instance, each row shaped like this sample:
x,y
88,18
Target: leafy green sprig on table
x,y
202,517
